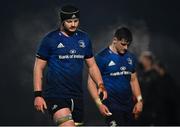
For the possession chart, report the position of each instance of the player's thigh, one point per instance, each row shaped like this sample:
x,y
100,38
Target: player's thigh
x,y
60,110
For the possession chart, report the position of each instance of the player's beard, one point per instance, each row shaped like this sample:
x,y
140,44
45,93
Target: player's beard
x,y
68,32
122,53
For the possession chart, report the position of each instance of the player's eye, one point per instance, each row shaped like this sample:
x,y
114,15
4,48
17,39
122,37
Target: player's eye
x,y
69,21
76,20
124,44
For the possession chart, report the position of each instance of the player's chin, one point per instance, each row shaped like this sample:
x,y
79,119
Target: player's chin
x,y
121,52
72,30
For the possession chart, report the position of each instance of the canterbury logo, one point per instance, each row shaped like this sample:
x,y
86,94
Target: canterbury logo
x,y
54,107
60,45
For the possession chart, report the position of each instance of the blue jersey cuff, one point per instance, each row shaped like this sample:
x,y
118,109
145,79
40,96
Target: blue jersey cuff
x,y
89,56
41,57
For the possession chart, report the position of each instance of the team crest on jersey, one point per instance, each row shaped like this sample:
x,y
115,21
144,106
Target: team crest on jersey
x,y
129,61
81,43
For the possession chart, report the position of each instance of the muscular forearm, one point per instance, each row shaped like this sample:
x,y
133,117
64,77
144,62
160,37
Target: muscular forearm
x,y
135,87
92,88
93,91
94,71
38,74
95,74
96,78
37,80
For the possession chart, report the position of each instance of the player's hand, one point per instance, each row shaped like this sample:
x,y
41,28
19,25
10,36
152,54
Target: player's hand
x,y
102,91
137,109
104,110
40,104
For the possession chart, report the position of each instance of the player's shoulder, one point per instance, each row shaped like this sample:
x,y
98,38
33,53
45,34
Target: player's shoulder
x,y
130,54
82,33
51,33
102,53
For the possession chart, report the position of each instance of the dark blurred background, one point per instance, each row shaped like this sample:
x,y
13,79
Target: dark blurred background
x,y
155,25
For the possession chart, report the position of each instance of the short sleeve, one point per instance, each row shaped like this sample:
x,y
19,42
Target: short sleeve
x,y
134,58
100,63
43,51
88,50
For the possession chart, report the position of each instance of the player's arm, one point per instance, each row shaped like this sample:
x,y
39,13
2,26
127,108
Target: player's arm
x,y
94,94
38,73
137,93
93,91
135,87
96,76
39,66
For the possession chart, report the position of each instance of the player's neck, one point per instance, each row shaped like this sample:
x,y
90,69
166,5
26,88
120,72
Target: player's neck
x,y
112,48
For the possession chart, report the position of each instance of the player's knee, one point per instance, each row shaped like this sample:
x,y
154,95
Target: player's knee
x,y
65,120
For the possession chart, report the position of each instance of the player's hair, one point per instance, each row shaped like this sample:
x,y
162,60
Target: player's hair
x,y
123,33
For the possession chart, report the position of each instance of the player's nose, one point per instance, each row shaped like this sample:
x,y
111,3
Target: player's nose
x,y
125,47
73,23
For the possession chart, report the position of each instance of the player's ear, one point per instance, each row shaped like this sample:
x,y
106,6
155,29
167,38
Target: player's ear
x,y
115,40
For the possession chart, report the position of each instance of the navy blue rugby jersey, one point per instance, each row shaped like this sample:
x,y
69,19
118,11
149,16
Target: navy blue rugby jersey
x,y
116,72
65,57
